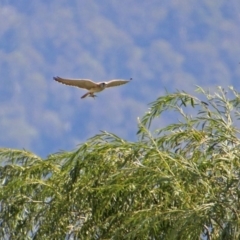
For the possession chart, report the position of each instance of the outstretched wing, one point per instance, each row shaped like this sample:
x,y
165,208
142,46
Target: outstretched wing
x,y
81,83
117,82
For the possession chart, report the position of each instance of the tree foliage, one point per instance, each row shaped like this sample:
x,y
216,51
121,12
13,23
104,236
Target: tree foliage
x,y
179,181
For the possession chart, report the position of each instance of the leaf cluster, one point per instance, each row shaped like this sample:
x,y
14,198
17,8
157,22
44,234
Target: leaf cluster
x,y
180,181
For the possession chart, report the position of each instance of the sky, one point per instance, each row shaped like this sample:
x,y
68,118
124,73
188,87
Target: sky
x,y
162,45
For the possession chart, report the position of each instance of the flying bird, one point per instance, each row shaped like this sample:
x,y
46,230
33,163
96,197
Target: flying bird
x,y
91,86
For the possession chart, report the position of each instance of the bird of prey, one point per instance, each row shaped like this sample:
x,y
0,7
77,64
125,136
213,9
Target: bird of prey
x,y
91,86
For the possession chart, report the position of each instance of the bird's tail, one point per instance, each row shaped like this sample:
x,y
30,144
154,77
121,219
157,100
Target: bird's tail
x,y
85,95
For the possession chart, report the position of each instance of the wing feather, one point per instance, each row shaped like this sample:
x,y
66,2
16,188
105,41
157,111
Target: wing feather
x,y
81,83
117,82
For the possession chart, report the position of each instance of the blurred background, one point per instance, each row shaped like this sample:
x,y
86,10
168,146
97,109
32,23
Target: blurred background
x,y
162,45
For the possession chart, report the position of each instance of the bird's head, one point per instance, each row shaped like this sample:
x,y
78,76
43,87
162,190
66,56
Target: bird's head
x,y
103,85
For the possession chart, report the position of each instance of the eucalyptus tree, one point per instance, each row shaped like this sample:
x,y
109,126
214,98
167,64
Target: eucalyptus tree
x,y
178,181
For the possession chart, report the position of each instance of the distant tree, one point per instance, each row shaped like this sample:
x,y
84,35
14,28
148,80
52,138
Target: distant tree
x,y
179,181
